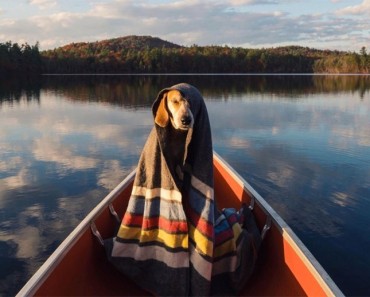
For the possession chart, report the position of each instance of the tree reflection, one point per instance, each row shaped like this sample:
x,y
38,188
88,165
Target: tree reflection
x,y
16,90
138,91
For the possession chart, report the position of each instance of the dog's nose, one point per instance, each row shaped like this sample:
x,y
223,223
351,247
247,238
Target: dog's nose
x,y
186,120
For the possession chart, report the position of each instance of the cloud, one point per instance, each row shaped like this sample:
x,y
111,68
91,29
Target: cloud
x,y
43,4
11,163
285,175
251,2
237,142
342,199
51,150
23,178
189,22
361,9
27,237
112,174
344,137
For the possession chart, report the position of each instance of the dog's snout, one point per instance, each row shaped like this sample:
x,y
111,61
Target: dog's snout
x,y
186,120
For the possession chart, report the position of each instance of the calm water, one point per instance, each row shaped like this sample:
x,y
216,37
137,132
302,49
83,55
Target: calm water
x,y
302,141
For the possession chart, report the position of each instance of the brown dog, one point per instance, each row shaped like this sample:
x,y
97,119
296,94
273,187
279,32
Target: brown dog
x,y
174,109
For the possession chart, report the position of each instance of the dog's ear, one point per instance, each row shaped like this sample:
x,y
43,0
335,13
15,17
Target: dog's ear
x,y
161,117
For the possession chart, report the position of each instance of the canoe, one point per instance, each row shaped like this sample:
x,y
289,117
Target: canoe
x,y
78,267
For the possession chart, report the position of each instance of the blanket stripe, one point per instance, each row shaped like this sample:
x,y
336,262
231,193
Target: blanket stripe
x,y
165,194
203,226
167,225
170,240
202,243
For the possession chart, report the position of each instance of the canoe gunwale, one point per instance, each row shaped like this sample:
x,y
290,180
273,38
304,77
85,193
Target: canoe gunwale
x,y
36,281
329,286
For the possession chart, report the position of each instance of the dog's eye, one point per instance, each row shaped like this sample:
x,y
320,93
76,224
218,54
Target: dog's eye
x,y
175,102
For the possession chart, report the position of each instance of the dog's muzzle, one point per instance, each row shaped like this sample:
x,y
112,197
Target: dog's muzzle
x,y
186,120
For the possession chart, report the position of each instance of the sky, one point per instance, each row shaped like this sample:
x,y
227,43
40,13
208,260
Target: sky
x,y
322,24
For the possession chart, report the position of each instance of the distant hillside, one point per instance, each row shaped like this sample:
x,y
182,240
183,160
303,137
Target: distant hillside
x,y
116,45
303,51
146,54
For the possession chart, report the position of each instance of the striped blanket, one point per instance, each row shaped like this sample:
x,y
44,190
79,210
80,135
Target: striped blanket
x,y
172,240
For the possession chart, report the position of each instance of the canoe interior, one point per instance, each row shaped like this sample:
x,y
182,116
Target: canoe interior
x,y
276,271
84,270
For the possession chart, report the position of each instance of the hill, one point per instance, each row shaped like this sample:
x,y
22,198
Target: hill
x,y
116,45
146,54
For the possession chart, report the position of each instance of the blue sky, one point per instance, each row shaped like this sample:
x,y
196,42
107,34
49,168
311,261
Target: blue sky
x,y
322,24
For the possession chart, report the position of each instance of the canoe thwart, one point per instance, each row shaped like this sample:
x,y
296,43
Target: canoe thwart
x,y
266,227
252,202
114,213
96,233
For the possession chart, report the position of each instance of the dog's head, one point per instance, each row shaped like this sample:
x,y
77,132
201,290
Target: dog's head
x,y
174,108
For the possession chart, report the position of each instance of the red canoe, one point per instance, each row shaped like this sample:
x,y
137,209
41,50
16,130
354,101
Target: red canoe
x,y
79,267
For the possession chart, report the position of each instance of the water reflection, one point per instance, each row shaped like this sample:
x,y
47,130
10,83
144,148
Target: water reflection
x,y
134,91
12,90
59,157
302,141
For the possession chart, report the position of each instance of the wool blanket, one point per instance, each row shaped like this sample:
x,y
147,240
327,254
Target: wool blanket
x,y
172,240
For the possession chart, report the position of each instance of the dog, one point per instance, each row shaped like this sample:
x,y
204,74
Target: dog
x,y
175,114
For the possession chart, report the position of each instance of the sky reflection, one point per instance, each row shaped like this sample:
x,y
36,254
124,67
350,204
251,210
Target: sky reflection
x,y
297,146
305,148
58,159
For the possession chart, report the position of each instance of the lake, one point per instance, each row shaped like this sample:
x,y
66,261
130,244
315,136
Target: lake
x,y
302,141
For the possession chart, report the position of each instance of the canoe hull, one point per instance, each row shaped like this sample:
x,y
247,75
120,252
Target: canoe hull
x,y
79,266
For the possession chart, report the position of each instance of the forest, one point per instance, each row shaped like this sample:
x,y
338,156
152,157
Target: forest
x,y
146,54
20,60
